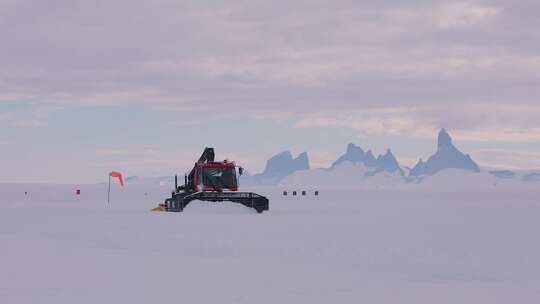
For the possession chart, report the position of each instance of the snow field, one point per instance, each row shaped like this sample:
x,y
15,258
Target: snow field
x,y
342,247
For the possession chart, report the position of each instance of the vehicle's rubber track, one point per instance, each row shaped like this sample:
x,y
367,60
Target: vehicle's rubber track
x,y
179,201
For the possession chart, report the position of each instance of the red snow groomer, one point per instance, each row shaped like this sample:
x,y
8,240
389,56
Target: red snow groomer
x,y
212,181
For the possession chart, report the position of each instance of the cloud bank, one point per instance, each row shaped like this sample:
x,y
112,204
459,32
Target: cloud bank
x,y
397,68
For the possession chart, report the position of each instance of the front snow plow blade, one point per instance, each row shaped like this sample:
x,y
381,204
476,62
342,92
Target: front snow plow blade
x,y
179,201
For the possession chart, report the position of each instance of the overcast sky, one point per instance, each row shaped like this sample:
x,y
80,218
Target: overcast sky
x,y
143,86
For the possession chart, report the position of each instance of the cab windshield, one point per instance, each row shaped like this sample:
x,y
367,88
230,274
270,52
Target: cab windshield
x,y
219,178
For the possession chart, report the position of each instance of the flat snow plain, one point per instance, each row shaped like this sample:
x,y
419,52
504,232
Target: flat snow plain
x,y
340,247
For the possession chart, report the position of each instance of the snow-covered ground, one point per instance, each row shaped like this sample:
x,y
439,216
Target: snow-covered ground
x,y
394,246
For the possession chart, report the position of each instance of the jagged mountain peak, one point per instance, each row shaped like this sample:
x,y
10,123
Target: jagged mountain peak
x,y
388,162
353,154
384,162
444,139
285,153
352,148
286,158
420,162
418,169
278,167
302,155
446,157
302,161
369,159
387,156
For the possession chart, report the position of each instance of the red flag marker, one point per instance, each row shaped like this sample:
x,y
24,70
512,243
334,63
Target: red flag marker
x,y
120,179
119,176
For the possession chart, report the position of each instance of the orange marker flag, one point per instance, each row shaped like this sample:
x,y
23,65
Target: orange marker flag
x,y
119,176
120,179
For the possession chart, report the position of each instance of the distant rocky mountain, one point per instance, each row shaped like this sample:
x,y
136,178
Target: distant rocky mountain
x,y
132,179
346,175
383,163
386,163
447,157
278,167
506,174
160,180
358,168
356,155
532,177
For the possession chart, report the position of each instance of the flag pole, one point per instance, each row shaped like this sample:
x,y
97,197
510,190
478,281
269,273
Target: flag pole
x,y
109,191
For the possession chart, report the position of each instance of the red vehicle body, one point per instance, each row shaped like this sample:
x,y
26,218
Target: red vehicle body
x,y
213,182
215,177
